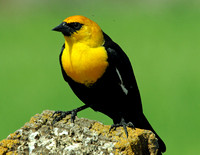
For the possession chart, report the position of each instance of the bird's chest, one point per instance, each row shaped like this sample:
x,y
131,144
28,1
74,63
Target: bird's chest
x,y
83,64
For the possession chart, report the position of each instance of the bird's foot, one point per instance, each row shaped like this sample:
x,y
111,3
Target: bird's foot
x,y
122,124
62,114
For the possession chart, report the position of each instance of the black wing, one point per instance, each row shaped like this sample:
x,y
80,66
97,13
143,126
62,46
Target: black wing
x,y
119,62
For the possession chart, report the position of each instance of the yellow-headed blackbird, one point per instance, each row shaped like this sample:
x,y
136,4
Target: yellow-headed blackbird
x,y
100,74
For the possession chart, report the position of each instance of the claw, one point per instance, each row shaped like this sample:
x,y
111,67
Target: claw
x,y
73,115
63,114
123,124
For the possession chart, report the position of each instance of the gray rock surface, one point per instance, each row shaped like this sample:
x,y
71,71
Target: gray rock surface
x,y
84,136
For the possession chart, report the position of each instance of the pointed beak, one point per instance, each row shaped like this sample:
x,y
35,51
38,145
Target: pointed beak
x,y
60,27
64,28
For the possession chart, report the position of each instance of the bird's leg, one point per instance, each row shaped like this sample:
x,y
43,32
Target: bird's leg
x,y
73,113
123,124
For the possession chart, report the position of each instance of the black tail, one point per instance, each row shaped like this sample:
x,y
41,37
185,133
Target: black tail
x,y
143,123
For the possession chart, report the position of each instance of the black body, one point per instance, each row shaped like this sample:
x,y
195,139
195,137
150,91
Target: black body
x,y
107,96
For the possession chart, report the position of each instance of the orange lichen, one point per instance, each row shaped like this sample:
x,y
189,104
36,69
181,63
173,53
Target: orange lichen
x,y
101,129
33,119
11,153
3,150
122,144
14,136
9,143
6,145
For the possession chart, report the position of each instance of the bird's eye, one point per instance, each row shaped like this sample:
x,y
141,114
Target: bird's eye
x,y
76,25
64,24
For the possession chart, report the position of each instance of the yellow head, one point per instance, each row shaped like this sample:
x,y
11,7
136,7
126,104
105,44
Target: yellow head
x,y
81,29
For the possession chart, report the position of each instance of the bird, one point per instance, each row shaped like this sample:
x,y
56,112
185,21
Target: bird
x,y
101,75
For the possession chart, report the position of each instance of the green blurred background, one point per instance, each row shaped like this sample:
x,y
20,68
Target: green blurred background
x,y
161,39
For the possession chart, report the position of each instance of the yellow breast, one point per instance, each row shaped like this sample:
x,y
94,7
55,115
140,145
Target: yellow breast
x,y
83,64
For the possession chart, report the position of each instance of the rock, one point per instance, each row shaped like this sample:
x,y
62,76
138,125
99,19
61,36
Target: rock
x,y
84,136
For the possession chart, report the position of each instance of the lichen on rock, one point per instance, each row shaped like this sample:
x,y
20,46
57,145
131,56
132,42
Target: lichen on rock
x,y
84,136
